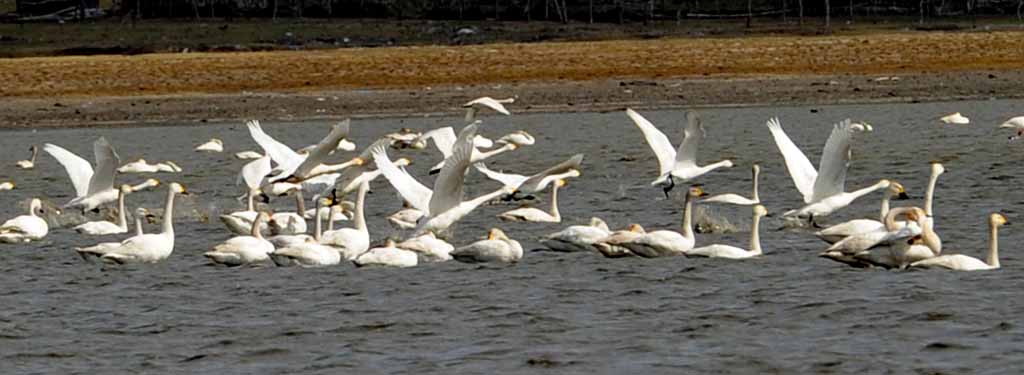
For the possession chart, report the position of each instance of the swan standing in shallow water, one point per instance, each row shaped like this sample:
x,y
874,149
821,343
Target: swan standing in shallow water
x,y
496,248
213,145
681,163
25,228
733,252
310,253
838,232
536,215
31,162
147,248
578,237
106,227
736,199
388,255
662,243
241,250
960,262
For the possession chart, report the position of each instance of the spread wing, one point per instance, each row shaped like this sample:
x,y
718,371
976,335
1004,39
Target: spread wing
x,y
657,140
254,172
106,165
279,152
411,190
800,169
507,179
79,170
835,159
693,135
541,180
443,138
319,153
448,186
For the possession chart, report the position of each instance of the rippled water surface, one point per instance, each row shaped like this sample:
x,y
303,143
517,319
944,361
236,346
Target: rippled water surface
x,y
787,311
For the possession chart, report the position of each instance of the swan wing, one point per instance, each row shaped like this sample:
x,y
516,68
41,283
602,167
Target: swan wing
x,y
444,139
254,172
279,152
79,170
507,179
411,190
326,146
106,165
657,140
835,159
693,135
448,186
488,102
800,169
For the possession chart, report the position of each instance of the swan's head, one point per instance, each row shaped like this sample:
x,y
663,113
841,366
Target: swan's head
x,y
142,212
152,182
755,169
760,211
636,228
561,182
141,160
402,162
36,206
937,168
125,189
897,191
33,148
358,161
178,188
998,220
861,127
727,163
496,234
573,173
325,201
696,191
174,166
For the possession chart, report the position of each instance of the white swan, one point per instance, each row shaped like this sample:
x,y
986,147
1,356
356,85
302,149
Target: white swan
x,y
286,240
838,232
538,181
857,250
737,199
496,248
25,228
406,218
105,227
248,155
955,118
388,255
308,254
404,138
241,250
103,247
290,222
830,178
508,143
31,162
294,167
536,215
427,245
676,164
213,145
733,252
239,222
1016,123
661,243
959,262
146,248
443,205
578,237
611,247
91,188
142,166
350,242
6,185
834,202
498,105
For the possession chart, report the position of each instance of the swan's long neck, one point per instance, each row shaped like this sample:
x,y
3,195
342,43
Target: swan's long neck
x,y
688,218
122,218
360,220
255,230
755,237
250,196
868,190
330,218
300,203
138,225
930,193
169,213
931,239
713,166
755,197
993,250
885,208
35,151
485,155
317,227
554,203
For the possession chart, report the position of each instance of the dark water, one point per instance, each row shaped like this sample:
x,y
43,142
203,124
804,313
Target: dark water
x,y
787,311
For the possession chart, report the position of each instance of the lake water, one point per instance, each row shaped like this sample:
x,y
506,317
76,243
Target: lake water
x,y
785,312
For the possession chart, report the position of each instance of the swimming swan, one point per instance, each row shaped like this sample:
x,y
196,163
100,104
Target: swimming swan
x,y
350,242
733,252
31,162
496,248
146,248
836,233
252,174
427,245
611,246
6,185
241,250
106,227
310,253
955,118
662,243
213,145
681,163
736,199
25,228
960,262
388,255
142,166
578,237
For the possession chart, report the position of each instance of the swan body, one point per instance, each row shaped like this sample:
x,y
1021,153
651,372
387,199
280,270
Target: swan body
x,y
105,227
835,202
830,178
287,223
429,247
104,247
31,162
242,250
146,248
405,138
662,243
955,118
92,187
577,237
7,185
737,199
248,155
1016,123
682,163
387,255
538,181
325,212
837,232
496,248
141,166
536,215
508,143
310,253
611,246
350,242
213,145
733,252
25,228
405,218
857,250
959,262
252,174
474,106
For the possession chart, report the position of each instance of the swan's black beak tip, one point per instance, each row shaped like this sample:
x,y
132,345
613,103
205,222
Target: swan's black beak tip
x,y
263,198
902,196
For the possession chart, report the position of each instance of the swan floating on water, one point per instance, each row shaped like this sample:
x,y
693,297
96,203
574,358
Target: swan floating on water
x,y
242,250
955,118
105,227
213,145
733,252
146,248
25,228
310,253
388,255
496,248
578,237
959,262
536,215
737,199
31,162
7,185
662,243
141,166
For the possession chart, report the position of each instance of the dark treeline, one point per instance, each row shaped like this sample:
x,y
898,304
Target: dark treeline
x,y
561,10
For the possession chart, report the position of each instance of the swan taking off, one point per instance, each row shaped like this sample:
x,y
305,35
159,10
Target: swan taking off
x,y
733,252
681,163
956,119
830,178
538,181
837,232
106,227
1016,123
92,189
213,145
25,228
960,262
498,105
31,162
536,215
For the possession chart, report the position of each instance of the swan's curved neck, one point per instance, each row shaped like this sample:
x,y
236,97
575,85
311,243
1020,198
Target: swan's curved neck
x,y
499,150
317,227
138,225
255,230
249,196
169,213
300,203
360,220
122,218
755,197
35,151
885,208
755,237
713,166
687,218
930,193
993,250
931,239
554,203
868,190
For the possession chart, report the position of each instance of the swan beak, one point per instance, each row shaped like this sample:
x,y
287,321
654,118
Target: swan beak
x,y
902,196
358,161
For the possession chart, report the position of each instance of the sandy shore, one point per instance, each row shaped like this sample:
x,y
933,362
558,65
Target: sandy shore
x,y
571,76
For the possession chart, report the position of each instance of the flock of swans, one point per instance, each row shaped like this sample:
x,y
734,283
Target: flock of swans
x,y
901,237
